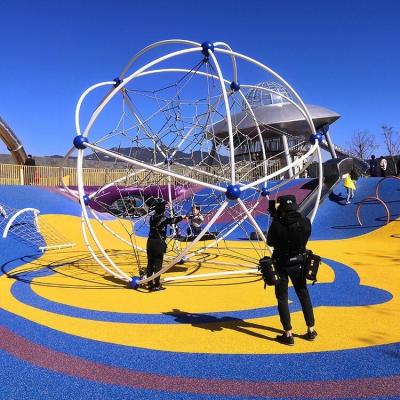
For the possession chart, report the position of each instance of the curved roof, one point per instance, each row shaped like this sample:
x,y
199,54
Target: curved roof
x,y
283,116
257,97
13,144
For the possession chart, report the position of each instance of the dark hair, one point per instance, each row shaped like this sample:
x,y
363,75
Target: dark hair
x,y
196,206
30,155
159,206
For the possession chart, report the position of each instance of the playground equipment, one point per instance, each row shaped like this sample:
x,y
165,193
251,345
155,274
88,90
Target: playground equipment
x,y
194,137
375,199
27,225
12,142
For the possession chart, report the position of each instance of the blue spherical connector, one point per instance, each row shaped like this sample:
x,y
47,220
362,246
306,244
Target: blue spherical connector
x,y
79,142
315,137
117,82
207,46
235,86
135,282
86,199
233,192
265,192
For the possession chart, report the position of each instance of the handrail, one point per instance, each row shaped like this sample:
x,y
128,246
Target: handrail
x,y
11,174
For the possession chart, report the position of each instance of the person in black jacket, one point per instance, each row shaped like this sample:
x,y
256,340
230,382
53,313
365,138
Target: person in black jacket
x,y
373,166
288,235
29,171
156,243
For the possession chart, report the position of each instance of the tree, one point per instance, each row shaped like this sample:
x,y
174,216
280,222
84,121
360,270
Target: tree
x,y
362,144
391,139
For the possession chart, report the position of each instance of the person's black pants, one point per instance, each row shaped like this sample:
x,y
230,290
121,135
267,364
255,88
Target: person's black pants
x,y
281,292
193,231
155,255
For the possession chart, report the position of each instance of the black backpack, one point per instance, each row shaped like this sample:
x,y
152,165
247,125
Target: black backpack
x,y
311,265
270,275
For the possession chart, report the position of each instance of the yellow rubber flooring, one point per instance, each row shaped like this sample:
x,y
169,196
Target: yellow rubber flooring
x,y
77,281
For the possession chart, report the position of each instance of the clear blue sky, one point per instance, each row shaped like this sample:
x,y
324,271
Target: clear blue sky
x,y
344,55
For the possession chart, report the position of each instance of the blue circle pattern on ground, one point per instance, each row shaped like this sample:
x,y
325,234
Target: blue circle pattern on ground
x,y
36,383
345,291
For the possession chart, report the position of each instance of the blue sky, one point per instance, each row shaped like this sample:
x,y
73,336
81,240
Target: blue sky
x,y
344,55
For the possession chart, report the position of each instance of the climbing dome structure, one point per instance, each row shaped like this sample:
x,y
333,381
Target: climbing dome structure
x,y
181,123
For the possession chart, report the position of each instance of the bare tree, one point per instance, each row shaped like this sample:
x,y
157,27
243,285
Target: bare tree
x,y
391,138
362,144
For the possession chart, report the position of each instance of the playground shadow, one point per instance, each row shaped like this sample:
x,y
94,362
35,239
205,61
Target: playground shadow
x,y
117,281
310,185
216,324
337,198
216,281
31,269
356,226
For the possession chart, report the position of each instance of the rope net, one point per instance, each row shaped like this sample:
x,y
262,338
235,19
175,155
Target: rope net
x,y
28,226
176,123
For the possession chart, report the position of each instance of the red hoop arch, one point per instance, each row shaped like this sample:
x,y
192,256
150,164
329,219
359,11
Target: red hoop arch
x,y
378,185
370,198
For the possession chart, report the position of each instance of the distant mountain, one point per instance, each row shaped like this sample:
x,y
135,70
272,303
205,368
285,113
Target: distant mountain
x,y
147,155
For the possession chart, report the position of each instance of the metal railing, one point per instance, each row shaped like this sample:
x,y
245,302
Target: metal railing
x,y
11,174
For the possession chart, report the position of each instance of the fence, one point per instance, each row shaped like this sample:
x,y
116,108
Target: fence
x,y
51,176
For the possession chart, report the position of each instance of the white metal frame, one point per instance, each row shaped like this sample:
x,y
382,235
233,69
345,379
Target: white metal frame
x,y
16,215
193,47
3,212
35,212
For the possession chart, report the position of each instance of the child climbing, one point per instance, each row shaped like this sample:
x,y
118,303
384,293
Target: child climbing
x,y
349,185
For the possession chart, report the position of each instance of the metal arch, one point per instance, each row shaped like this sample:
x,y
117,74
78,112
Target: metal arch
x,y
370,198
378,185
376,198
17,214
13,144
86,223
